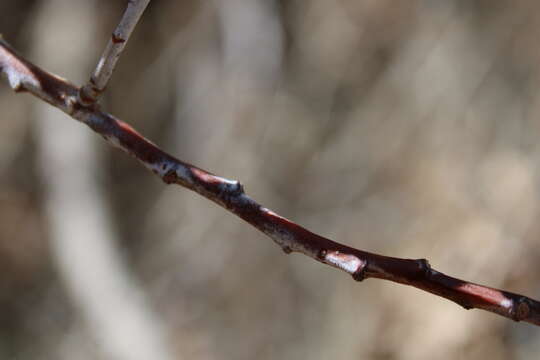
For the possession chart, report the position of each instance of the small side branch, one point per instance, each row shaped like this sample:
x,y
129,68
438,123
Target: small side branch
x,y
24,76
90,92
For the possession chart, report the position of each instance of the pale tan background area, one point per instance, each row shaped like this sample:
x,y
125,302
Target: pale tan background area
x,y
408,128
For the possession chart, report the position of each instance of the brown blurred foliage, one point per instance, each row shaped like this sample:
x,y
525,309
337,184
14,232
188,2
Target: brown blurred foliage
x,y
406,128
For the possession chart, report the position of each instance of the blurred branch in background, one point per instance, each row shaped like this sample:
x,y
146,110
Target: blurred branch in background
x,y
84,244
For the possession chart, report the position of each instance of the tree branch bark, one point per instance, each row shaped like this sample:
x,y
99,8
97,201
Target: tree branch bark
x,y
22,75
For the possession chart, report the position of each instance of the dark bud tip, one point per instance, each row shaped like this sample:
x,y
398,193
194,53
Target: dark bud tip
x,y
359,275
240,188
424,268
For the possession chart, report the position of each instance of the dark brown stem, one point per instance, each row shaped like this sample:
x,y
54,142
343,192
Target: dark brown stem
x,y
24,76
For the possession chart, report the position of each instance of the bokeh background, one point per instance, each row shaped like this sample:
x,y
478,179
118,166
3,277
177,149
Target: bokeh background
x,y
408,128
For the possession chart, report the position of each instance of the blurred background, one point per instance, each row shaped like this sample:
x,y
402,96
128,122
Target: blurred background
x,y
407,128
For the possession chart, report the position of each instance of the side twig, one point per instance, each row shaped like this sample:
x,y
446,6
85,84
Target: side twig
x,y
83,243
24,76
90,92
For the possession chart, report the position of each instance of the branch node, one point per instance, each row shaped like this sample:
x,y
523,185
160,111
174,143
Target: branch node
x,y
520,309
237,189
170,177
424,269
18,87
286,249
360,274
116,39
321,255
88,94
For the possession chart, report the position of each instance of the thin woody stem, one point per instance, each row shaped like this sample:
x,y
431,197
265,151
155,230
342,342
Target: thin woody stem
x,y
91,91
24,76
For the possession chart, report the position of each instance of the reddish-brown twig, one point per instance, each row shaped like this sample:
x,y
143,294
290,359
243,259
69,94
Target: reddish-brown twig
x,y
24,76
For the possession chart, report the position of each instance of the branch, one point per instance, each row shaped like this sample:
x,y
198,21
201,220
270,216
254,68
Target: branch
x,y
24,76
90,92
